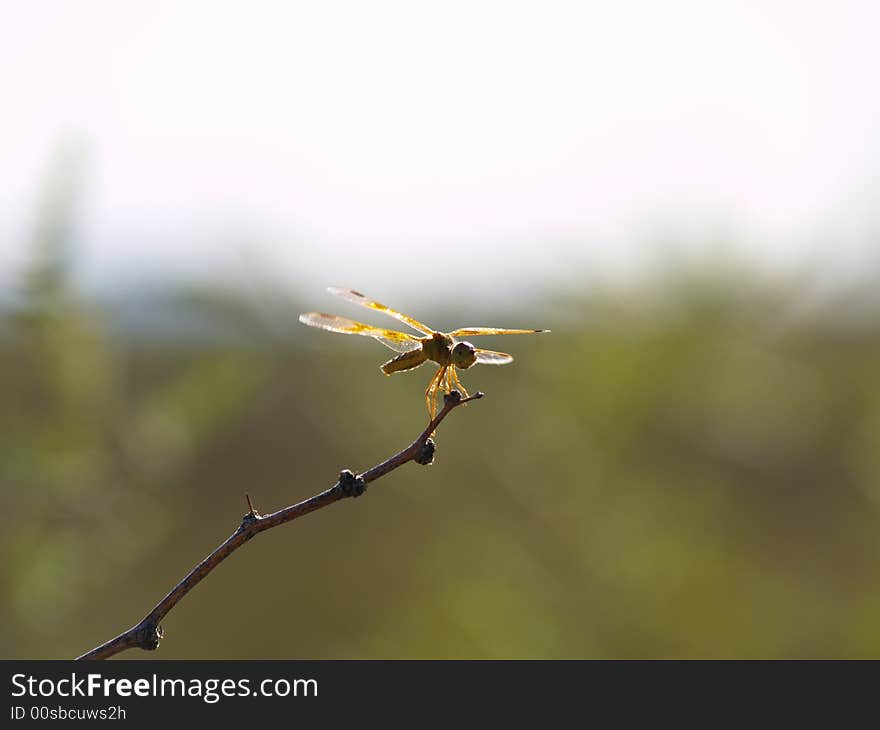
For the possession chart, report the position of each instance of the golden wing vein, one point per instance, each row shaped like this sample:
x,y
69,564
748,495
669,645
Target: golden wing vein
x,y
397,341
357,298
477,331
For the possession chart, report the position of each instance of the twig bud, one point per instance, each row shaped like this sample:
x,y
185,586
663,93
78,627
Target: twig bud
x,y
425,457
351,485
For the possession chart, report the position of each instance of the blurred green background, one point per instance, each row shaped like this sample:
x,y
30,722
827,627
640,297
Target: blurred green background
x,y
687,467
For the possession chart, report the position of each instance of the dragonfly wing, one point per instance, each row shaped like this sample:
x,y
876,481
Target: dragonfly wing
x,y
357,298
399,345
397,341
490,357
476,331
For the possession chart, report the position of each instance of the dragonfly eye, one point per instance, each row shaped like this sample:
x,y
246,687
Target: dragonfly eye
x,y
464,354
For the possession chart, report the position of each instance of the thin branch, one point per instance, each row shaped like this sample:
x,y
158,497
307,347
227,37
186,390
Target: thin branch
x,y
148,633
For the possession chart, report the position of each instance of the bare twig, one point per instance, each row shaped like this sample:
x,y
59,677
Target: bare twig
x,y
148,632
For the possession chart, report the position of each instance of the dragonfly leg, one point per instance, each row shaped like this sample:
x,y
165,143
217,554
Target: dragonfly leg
x,y
440,378
431,392
436,391
428,394
458,385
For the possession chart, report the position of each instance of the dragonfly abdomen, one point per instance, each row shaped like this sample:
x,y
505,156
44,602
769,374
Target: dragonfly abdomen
x,y
405,361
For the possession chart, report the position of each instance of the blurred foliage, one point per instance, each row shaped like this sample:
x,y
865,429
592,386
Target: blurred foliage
x,y
686,468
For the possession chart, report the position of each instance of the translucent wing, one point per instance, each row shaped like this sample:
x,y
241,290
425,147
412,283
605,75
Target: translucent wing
x,y
359,299
474,331
398,341
490,357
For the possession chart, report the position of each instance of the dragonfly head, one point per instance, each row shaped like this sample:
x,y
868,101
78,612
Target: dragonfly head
x,y
464,354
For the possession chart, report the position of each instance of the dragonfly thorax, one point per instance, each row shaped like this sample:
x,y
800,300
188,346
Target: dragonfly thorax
x,y
439,348
443,350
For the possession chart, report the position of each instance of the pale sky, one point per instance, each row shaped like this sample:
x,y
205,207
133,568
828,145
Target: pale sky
x,y
393,146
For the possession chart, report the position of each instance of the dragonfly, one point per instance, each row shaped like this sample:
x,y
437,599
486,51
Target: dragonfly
x,y
448,350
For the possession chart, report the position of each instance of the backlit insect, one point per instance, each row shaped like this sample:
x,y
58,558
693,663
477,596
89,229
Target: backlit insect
x,y
447,349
